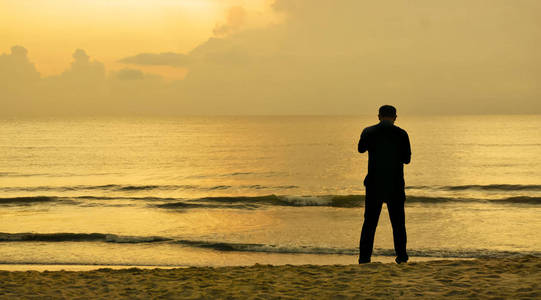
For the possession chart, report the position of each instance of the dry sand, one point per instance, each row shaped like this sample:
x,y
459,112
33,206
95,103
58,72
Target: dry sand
x,y
509,278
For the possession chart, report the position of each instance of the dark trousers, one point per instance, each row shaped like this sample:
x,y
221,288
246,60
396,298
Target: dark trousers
x,y
372,210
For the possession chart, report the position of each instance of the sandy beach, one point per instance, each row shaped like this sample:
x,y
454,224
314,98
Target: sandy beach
x,y
516,278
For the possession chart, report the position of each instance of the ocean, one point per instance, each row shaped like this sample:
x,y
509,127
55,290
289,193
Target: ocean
x,y
216,191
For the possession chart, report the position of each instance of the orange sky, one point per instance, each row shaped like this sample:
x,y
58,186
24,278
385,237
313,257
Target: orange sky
x,y
269,56
110,29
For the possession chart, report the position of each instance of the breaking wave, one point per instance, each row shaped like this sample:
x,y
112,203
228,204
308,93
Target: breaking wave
x,y
444,253
78,237
34,199
166,187
251,202
351,200
135,188
488,187
250,247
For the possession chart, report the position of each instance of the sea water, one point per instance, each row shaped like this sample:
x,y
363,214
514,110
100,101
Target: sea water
x,y
212,191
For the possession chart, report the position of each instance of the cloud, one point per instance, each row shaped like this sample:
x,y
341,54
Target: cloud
x,y
325,57
129,74
350,56
236,16
18,81
15,67
83,89
83,69
160,59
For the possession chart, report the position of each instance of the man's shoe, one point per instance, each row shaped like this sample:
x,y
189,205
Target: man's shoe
x,y
400,261
364,261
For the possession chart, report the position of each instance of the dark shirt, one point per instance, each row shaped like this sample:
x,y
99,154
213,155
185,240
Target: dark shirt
x,y
388,149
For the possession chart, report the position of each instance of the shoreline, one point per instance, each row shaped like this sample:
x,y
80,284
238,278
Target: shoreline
x,y
42,267
511,277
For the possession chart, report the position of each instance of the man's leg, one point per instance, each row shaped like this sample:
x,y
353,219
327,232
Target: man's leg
x,y
372,209
398,221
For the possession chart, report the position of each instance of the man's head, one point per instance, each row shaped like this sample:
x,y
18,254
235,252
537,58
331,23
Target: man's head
x,y
387,113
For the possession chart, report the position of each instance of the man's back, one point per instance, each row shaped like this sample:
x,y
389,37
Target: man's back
x,y
388,149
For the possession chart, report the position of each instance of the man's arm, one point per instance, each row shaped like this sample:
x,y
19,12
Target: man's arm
x,y
406,154
363,143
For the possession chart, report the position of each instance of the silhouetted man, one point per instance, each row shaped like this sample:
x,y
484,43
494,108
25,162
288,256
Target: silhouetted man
x,y
388,149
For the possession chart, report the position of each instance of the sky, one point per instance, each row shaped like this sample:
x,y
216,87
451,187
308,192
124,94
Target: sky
x,y
236,57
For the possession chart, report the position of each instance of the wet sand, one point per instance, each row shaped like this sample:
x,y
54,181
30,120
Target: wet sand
x,y
508,278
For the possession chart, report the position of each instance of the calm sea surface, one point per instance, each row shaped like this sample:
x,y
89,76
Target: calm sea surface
x,y
243,190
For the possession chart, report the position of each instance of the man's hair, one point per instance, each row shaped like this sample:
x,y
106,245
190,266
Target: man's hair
x,y
387,111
